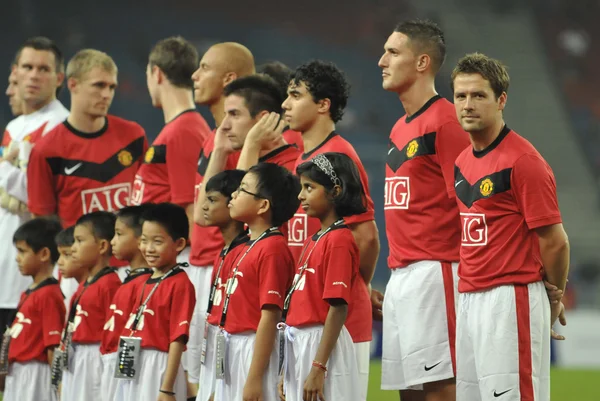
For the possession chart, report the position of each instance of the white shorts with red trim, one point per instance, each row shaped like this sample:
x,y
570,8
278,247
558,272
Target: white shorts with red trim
x,y
207,370
29,381
108,381
238,357
200,276
363,362
341,381
82,380
153,364
503,344
419,325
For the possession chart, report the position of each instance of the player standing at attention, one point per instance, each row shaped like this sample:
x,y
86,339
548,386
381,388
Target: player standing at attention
x,y
160,319
36,328
90,304
422,221
221,64
39,69
317,96
512,239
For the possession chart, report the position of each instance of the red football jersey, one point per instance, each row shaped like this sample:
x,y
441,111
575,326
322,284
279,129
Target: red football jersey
x,y
301,227
120,309
38,324
169,170
331,271
263,278
284,156
504,192
421,219
72,173
207,241
168,313
93,306
294,138
229,259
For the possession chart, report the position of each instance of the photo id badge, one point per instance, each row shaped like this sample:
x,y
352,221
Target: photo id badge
x,y
57,368
204,343
128,358
220,352
4,352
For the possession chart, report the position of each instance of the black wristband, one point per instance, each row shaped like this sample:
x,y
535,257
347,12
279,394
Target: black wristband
x,y
167,392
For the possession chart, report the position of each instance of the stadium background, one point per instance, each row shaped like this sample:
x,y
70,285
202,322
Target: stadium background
x,y
552,48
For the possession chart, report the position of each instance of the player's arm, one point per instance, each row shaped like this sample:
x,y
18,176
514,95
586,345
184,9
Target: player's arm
x,y
40,185
176,349
366,236
555,251
50,352
263,347
266,131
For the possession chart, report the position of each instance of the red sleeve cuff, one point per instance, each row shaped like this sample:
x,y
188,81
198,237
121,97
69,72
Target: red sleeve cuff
x,y
544,221
360,218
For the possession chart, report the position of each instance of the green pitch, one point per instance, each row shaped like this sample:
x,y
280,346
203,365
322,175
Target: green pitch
x,y
566,385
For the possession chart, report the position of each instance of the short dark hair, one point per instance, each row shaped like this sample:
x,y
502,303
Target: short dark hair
x,y
38,234
226,182
178,60
352,199
171,217
132,216
280,187
65,237
425,37
43,43
280,72
324,80
101,224
490,69
260,93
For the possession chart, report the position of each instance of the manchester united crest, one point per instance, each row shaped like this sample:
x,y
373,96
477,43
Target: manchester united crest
x,y
149,154
412,148
486,187
125,158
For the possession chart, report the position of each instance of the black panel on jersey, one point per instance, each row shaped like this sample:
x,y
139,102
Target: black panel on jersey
x,y
159,154
102,172
203,163
470,193
332,135
275,152
425,145
423,109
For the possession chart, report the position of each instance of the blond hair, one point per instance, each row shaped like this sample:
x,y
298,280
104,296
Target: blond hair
x,y
86,60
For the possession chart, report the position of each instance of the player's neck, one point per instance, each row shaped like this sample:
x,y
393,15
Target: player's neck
x,y
484,138
86,123
328,220
218,111
138,262
274,145
102,263
415,97
161,271
32,107
44,274
80,276
175,101
316,134
257,227
231,231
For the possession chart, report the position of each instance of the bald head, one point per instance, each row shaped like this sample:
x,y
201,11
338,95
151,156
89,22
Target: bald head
x,y
221,64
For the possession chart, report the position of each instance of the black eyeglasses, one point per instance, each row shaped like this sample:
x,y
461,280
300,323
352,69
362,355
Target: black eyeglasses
x,y
240,189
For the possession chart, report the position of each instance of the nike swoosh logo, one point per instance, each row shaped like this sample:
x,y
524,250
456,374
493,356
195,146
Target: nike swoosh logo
x,y
456,184
69,171
502,393
390,151
428,368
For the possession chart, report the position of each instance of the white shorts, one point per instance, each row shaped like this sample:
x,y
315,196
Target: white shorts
x,y
108,381
82,380
146,387
503,344
419,325
363,362
201,277
341,382
238,357
207,370
29,381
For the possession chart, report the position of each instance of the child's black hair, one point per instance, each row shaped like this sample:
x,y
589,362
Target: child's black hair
x,y
101,224
38,234
226,182
131,216
65,237
352,199
171,217
280,187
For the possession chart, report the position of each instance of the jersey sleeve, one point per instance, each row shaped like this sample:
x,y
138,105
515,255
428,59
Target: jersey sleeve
x,y
53,318
534,187
340,263
40,184
182,161
108,294
450,141
274,277
370,213
183,303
